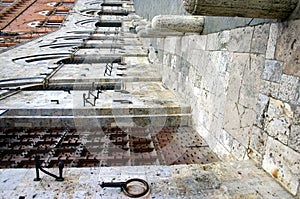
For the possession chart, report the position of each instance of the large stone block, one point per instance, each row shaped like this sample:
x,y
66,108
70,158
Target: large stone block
x,y
289,88
272,71
269,88
294,139
236,71
240,40
239,151
225,139
218,41
288,47
258,140
278,119
251,80
173,45
261,108
283,164
260,39
271,47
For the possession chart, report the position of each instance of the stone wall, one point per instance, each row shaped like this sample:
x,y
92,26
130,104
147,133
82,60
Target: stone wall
x,y
244,93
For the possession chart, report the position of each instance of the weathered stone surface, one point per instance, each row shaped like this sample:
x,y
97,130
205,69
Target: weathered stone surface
x,y
236,72
258,140
251,80
269,88
225,139
240,39
278,119
239,151
252,8
272,71
179,23
260,39
294,139
283,164
218,41
288,90
193,42
288,48
157,33
261,107
271,48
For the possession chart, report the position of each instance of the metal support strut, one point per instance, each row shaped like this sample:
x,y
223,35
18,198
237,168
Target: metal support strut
x,y
39,167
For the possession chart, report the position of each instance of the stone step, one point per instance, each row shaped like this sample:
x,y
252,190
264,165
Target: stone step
x,y
99,111
94,122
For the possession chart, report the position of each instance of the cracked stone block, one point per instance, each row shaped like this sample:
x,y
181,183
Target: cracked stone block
x,y
260,38
271,47
261,106
251,81
269,88
278,119
231,118
236,70
272,71
289,86
238,122
283,163
294,139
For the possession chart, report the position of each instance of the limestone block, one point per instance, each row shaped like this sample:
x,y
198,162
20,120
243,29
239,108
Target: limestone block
x,y
294,139
239,151
283,164
278,119
271,47
236,72
231,118
225,139
193,42
251,80
173,45
288,90
179,23
272,71
257,144
161,32
261,107
269,88
296,115
260,39
288,47
240,40
218,41
258,140
232,8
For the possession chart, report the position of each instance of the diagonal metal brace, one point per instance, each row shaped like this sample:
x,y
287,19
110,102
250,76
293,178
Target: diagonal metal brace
x,y
39,167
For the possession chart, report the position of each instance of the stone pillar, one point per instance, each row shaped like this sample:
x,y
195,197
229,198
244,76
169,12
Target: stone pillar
x,y
178,23
275,9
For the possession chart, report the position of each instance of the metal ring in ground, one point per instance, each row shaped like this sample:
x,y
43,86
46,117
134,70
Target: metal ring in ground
x,y
126,191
